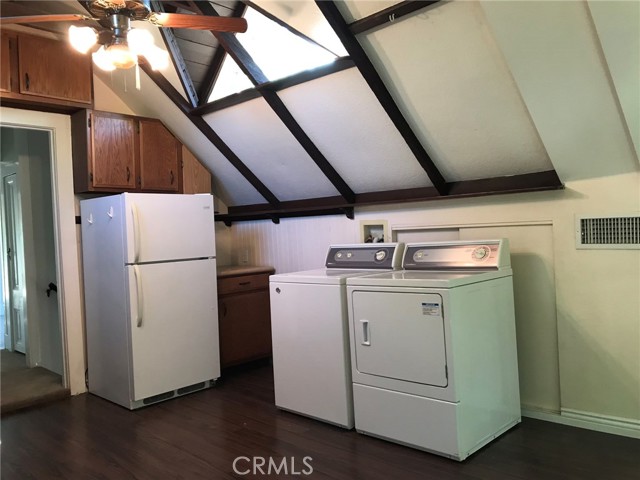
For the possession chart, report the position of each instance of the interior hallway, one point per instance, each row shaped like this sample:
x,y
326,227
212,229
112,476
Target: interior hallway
x,y
22,387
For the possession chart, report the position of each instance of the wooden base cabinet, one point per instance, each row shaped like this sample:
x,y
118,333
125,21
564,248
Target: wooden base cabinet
x,y
244,317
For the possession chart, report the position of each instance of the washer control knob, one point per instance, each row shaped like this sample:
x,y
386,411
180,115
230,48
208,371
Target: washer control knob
x,y
481,253
338,255
349,255
381,255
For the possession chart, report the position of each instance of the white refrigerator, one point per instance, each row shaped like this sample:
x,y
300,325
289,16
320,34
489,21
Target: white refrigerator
x,y
150,296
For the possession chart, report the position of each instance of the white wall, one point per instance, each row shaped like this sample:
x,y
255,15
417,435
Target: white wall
x,y
597,299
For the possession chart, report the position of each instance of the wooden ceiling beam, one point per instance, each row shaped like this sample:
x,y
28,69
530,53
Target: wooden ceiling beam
x,y
390,15
211,135
371,76
338,65
529,182
235,49
216,63
176,57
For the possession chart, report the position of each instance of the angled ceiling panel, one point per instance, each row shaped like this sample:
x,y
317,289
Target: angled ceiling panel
x,y
263,143
346,122
150,101
457,92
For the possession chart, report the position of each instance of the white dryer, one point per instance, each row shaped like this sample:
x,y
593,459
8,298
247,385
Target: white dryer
x,y
433,348
310,333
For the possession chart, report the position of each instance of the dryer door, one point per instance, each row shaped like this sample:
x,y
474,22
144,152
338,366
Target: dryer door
x,y
400,336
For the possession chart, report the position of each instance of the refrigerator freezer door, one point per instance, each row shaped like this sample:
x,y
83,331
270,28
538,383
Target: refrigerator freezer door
x,y
161,227
174,325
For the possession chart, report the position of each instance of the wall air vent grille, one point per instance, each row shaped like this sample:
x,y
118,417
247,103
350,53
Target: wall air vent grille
x,y
611,232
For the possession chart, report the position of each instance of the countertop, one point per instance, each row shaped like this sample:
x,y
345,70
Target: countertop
x,y
238,270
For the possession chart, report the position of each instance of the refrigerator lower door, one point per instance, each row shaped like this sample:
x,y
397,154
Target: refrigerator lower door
x,y
174,326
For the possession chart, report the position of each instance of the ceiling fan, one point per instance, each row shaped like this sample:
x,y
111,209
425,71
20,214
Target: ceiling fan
x,y
120,43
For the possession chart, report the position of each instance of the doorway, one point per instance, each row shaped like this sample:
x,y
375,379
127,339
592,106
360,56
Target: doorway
x,y
32,354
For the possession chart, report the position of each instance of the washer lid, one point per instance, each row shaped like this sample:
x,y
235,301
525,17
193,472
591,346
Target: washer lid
x,y
326,276
428,279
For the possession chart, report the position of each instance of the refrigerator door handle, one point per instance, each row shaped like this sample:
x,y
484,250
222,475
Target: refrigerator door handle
x,y
136,273
136,233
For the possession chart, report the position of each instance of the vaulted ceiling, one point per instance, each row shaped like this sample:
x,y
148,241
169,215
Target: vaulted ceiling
x,y
434,100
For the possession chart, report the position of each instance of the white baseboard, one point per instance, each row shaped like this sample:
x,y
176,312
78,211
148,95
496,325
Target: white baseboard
x,y
626,427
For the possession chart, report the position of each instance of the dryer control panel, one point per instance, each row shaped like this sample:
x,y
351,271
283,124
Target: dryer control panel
x,y
365,256
476,254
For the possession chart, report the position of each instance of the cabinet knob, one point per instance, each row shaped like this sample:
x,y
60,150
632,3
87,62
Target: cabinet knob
x,y
172,178
26,81
128,174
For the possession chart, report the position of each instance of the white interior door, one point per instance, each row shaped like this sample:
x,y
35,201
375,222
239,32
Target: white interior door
x,y
400,336
174,325
15,327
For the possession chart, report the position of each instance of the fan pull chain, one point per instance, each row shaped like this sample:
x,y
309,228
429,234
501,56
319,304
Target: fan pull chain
x,y
137,76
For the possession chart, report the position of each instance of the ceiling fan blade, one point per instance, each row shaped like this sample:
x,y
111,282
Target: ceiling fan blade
x,y
43,18
199,22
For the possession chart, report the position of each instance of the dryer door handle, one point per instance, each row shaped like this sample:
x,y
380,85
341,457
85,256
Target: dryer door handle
x,y
366,338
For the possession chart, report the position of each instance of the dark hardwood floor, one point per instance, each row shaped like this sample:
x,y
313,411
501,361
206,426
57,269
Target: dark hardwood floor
x,y
199,436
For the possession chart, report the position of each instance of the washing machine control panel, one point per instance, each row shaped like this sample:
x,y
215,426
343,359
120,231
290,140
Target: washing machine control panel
x,y
365,256
489,254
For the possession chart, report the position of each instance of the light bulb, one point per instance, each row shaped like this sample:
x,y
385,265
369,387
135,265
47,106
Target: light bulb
x,y
157,57
102,59
121,56
140,41
82,38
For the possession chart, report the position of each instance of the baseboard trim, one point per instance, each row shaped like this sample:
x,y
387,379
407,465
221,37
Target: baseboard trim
x,y
591,421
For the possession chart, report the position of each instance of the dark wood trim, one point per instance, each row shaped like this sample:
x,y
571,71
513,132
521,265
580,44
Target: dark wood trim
x,y
390,15
276,85
339,64
228,101
176,58
212,136
530,182
235,49
278,106
216,63
206,87
368,71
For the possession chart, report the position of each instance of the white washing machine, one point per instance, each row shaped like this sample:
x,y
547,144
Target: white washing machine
x,y
310,333
433,348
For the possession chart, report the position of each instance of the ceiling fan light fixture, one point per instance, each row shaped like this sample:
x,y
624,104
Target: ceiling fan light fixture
x,y
82,38
117,55
157,57
102,60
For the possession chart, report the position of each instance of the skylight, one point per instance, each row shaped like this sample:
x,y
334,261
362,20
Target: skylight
x,y
277,51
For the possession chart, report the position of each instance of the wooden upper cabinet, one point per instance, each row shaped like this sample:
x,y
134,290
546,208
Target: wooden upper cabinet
x,y
53,69
113,150
5,64
159,157
195,178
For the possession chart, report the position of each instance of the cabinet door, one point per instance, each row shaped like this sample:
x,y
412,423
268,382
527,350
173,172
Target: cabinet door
x,y
53,69
5,64
159,157
245,327
195,178
113,151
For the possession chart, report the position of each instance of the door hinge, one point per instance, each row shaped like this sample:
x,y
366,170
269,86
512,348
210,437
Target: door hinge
x,y
91,177
89,122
